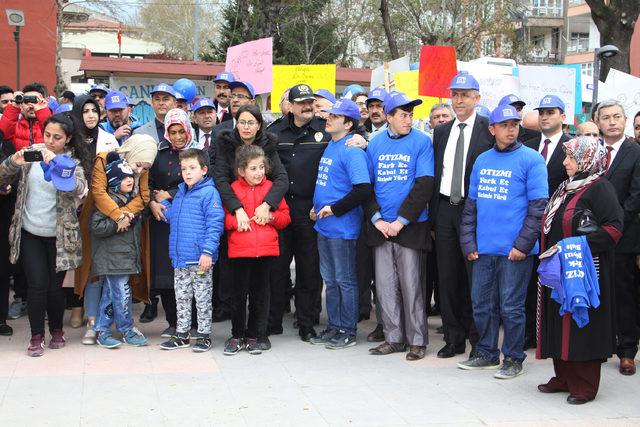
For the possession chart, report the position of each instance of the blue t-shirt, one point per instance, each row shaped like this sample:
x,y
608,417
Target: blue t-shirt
x,y
503,184
340,168
396,163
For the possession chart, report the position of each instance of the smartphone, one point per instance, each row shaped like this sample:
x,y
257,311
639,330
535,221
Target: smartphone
x,y
33,156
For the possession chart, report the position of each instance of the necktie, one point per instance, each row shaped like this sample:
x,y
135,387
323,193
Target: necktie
x,y
206,141
221,114
609,150
545,151
455,196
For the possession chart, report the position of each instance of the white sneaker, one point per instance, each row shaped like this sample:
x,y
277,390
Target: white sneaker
x,y
90,336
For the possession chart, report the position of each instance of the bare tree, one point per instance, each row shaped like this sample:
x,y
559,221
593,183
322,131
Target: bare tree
x,y
386,23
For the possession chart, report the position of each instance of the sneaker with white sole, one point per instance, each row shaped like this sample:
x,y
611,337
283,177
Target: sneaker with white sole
x,y
36,346
107,341
324,337
135,338
202,344
175,342
479,362
340,341
510,368
233,346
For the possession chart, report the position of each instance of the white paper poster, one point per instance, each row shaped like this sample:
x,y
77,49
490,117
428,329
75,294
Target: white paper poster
x,y
625,89
377,74
538,81
495,81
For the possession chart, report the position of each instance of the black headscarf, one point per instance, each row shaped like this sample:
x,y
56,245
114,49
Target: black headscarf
x,y
89,136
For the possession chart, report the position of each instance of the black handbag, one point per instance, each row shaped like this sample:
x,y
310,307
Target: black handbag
x,y
587,223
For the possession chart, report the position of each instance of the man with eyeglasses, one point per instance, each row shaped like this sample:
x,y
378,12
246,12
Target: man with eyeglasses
x,y
223,92
99,93
242,93
588,128
6,93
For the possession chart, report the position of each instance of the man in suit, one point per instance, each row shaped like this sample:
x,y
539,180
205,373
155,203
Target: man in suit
x,y
242,93
163,99
223,96
624,173
457,144
204,119
549,145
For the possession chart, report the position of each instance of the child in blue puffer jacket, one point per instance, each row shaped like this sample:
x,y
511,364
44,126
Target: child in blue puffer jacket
x,y
196,220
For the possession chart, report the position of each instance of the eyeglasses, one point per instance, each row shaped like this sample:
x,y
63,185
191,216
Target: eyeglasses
x,y
245,124
239,96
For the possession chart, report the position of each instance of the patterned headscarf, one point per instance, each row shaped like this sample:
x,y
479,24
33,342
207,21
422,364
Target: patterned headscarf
x,y
591,158
178,116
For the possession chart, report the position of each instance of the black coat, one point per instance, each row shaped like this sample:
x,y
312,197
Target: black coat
x,y
596,340
226,116
224,171
624,175
481,141
556,172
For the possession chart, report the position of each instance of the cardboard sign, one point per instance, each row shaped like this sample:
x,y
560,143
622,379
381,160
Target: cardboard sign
x,y
397,65
625,89
252,62
321,76
138,88
538,81
407,82
437,69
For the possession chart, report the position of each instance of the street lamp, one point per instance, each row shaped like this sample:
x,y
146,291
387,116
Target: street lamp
x,y
16,17
601,53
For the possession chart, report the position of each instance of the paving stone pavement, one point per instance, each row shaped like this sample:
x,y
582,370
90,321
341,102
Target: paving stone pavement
x,y
294,384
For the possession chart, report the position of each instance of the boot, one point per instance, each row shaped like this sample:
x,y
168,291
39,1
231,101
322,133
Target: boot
x,y
76,317
90,335
150,311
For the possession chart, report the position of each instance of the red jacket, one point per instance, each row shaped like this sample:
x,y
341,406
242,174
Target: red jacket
x,y
262,240
19,130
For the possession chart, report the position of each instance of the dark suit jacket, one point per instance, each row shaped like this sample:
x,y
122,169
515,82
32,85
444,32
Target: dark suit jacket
x,y
556,173
481,141
226,116
624,174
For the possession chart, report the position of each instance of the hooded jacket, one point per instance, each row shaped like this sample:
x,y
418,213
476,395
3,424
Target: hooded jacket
x,y
20,131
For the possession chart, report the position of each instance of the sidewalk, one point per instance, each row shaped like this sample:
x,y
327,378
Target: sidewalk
x,y
294,384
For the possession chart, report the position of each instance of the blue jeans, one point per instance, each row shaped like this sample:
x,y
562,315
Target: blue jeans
x,y
115,305
338,269
498,291
92,293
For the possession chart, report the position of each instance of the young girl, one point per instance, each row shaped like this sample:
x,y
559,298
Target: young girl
x,y
45,224
252,250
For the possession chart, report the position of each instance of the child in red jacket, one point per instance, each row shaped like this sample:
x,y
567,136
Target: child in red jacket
x,y
252,251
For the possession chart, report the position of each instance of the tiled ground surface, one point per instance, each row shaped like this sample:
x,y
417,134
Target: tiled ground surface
x,y
294,384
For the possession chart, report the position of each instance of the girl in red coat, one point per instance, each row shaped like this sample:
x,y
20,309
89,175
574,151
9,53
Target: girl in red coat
x,y
252,251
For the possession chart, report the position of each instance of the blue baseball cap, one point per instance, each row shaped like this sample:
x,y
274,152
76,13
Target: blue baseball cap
x,y
238,83
377,95
165,88
224,76
99,88
53,103
116,100
326,94
180,96
201,103
398,99
482,110
345,107
63,108
503,113
550,101
463,80
511,99
61,173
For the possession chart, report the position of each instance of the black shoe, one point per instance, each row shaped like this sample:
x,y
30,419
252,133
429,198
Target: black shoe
x,y
440,330
363,316
275,330
573,400
5,330
377,335
529,342
221,316
450,350
306,334
150,311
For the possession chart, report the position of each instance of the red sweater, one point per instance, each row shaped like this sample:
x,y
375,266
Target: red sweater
x,y
19,131
261,240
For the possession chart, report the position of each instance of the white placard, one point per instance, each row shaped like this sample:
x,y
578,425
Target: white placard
x,y
625,89
138,88
495,81
377,74
538,81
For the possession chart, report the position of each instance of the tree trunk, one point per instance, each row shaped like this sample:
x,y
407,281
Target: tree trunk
x,y
60,84
393,46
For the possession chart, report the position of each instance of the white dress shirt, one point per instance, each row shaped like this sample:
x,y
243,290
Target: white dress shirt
x,y
450,153
616,148
555,139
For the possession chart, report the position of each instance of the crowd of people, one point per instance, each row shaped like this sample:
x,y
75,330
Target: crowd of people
x,y
500,218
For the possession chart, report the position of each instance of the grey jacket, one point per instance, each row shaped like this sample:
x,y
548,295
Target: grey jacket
x,y
148,128
113,252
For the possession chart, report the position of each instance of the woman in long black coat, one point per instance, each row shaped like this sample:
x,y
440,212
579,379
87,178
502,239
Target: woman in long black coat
x,y
579,352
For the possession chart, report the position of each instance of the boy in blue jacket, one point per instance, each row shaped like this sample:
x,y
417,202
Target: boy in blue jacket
x,y
499,234
196,220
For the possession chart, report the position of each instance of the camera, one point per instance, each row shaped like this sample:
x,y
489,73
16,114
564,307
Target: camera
x,y
20,99
32,155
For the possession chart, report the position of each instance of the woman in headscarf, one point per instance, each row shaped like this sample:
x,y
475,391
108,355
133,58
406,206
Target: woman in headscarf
x,y
585,198
86,114
165,175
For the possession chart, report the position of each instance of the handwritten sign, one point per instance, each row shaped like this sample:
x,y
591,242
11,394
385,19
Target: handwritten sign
x,y
495,81
538,81
437,69
138,88
252,62
377,74
322,76
407,82
625,89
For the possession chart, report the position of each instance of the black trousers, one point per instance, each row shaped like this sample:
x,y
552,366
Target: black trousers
x,y
431,277
223,280
5,265
364,272
44,284
297,241
251,280
627,286
454,277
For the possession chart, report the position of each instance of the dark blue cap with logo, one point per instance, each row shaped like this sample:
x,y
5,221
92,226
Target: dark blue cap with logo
x,y
116,99
246,85
224,76
165,88
399,99
201,103
503,113
550,101
61,172
377,95
326,94
464,81
511,99
99,88
345,107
